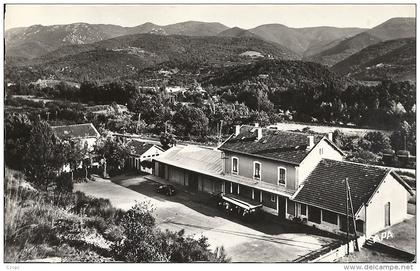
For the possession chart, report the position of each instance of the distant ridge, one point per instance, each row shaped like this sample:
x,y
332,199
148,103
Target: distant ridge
x,y
395,28
388,60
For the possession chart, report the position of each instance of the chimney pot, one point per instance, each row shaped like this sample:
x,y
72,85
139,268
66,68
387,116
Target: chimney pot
x,y
330,136
237,130
310,142
259,133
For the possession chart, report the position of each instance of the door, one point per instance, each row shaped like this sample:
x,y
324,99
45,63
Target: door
x,y
282,207
387,214
162,170
193,182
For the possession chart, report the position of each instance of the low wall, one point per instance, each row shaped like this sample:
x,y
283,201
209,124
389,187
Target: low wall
x,y
341,251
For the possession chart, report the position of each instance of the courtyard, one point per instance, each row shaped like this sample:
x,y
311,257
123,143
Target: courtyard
x,y
262,241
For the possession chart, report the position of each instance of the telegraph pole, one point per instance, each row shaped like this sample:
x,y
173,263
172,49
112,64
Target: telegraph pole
x,y
347,217
356,245
138,124
220,133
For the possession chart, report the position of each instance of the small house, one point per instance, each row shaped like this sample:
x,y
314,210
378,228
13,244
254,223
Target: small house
x,y
142,155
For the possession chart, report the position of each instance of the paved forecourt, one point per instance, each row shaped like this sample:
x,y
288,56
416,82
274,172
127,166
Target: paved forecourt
x,y
263,241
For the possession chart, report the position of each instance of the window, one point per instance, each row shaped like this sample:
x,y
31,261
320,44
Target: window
x,y
314,214
360,225
273,198
291,208
387,214
303,209
281,175
321,151
343,224
257,170
329,217
235,163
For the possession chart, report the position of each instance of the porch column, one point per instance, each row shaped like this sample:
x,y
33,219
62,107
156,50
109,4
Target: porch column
x,y
231,188
238,189
261,196
253,193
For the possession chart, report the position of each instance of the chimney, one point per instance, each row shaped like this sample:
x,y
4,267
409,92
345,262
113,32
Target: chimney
x,y
257,125
259,133
330,136
310,142
237,130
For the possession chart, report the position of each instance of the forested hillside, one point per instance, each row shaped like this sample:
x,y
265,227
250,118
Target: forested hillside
x,y
395,59
127,55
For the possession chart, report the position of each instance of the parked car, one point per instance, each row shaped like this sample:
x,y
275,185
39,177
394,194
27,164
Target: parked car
x,y
166,189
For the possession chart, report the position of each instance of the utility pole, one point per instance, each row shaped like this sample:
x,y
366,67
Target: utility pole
x,y
220,133
138,124
347,217
356,245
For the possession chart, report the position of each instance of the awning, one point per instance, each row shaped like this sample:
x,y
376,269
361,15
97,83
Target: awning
x,y
241,202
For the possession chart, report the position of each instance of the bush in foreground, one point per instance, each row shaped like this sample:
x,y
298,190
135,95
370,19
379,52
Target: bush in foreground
x,y
144,242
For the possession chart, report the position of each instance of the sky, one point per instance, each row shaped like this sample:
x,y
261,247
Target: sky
x,y
244,16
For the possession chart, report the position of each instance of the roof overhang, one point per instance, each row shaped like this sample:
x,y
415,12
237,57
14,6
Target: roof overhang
x,y
402,182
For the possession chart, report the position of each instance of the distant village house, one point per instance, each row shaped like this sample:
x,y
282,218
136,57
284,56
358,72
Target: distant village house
x,y
142,154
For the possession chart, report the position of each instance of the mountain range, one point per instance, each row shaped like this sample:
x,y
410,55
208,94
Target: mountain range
x,y
79,47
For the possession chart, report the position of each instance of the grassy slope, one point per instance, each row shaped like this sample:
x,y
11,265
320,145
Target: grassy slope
x,y
40,225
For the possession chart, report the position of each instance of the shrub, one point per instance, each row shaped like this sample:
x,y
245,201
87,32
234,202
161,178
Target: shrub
x,y
64,183
93,206
144,242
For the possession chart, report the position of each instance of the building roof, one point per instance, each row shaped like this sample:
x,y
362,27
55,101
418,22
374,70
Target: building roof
x,y
325,187
289,147
194,158
84,130
139,147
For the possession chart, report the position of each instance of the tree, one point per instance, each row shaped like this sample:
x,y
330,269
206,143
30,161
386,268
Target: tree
x,y
17,133
404,138
114,151
190,121
378,141
167,140
45,155
75,153
185,249
363,156
141,244
259,117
